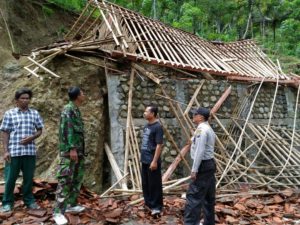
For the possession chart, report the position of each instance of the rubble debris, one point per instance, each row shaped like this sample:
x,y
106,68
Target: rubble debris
x,y
277,207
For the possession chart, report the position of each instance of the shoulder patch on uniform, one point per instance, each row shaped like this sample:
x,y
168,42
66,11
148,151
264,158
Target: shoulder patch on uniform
x,y
198,132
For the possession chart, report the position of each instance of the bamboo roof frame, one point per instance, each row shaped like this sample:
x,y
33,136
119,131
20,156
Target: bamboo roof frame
x,y
153,42
104,28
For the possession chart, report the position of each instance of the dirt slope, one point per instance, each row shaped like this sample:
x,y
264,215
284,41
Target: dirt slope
x,y
31,26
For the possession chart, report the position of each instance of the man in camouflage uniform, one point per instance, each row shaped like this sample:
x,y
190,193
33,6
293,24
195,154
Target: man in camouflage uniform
x,y
71,166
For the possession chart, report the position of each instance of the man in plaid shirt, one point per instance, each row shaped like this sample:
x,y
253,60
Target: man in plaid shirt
x,y
20,127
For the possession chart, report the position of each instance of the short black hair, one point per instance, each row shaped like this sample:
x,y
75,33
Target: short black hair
x,y
73,93
22,91
153,109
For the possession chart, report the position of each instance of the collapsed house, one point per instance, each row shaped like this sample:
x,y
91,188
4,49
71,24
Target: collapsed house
x,y
253,103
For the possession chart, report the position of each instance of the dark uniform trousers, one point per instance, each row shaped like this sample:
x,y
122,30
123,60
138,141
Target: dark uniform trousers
x,y
152,186
201,195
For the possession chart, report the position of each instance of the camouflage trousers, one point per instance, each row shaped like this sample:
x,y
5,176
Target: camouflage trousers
x,y
70,178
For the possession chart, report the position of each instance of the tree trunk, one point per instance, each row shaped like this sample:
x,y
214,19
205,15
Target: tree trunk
x,y
153,10
274,30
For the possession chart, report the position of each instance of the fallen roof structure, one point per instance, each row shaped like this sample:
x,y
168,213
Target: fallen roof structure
x,y
111,32
142,39
121,33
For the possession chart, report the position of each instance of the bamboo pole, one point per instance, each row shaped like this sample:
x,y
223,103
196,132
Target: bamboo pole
x,y
114,165
221,100
263,141
107,23
37,68
175,163
240,139
185,119
294,126
170,138
186,133
180,181
133,181
8,32
188,108
92,63
237,165
51,56
271,149
135,139
184,72
115,184
232,155
31,72
77,21
128,120
135,159
84,22
42,67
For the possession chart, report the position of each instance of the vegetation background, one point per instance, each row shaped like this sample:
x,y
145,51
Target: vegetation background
x,y
274,24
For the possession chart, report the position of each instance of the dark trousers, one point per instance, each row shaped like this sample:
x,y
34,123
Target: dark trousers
x,y
12,169
201,195
152,186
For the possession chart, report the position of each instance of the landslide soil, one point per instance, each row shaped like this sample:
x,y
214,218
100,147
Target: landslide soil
x,y
36,23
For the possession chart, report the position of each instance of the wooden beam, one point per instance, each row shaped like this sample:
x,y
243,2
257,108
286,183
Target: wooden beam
x,y
175,163
146,73
207,76
114,165
221,100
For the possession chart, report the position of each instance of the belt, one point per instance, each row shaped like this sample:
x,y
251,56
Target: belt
x,y
208,160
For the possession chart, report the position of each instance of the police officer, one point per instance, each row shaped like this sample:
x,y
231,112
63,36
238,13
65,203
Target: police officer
x,y
202,189
71,167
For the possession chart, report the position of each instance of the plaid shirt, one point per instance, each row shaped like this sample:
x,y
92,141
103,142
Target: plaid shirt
x,y
19,125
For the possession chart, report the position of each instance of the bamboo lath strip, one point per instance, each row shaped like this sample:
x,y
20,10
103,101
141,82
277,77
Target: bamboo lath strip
x,y
128,124
272,150
137,35
173,54
73,28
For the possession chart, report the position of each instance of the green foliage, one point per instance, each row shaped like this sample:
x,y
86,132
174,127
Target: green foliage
x,y
47,11
73,5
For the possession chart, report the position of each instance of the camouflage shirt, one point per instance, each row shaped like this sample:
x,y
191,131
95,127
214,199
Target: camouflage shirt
x,y
71,130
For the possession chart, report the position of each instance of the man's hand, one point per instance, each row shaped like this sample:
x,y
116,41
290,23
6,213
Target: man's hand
x,y
6,156
73,155
26,140
153,165
193,176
